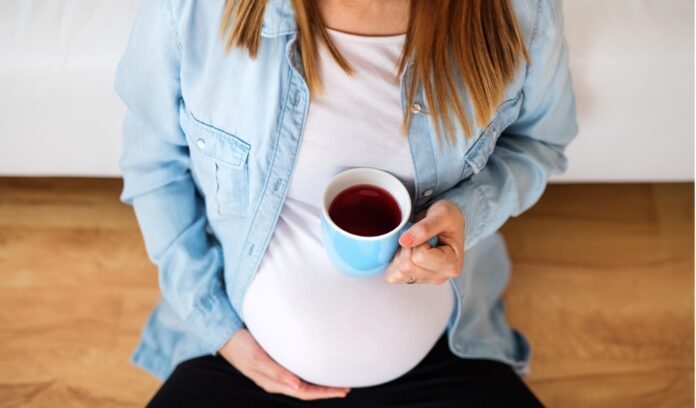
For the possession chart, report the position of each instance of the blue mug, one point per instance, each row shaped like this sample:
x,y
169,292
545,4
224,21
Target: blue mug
x,y
356,255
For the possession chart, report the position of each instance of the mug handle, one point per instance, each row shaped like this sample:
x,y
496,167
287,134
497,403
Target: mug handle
x,y
434,241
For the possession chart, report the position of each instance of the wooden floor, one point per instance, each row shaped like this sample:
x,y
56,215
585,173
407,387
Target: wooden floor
x,y
602,286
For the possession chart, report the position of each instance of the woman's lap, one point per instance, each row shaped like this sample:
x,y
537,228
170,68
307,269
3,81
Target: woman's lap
x,y
440,380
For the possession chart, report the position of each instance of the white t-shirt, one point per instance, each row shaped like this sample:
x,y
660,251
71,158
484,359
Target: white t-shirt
x,y
326,327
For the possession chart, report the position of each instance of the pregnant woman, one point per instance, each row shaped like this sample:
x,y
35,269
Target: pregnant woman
x,y
240,112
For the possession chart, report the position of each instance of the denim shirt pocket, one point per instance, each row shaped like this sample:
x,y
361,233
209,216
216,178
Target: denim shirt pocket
x,y
479,152
220,160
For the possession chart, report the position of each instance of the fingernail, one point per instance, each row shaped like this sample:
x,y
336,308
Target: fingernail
x,y
407,239
294,384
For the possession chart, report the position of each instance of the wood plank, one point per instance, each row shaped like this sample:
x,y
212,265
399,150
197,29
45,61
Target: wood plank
x,y
602,286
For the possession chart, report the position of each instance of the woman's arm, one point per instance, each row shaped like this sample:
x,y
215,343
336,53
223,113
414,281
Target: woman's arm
x,y
158,182
532,148
516,173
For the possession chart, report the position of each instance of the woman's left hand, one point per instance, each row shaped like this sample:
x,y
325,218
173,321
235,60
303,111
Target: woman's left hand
x,y
417,259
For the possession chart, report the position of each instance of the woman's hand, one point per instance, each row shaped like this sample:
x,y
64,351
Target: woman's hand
x,y
428,264
247,356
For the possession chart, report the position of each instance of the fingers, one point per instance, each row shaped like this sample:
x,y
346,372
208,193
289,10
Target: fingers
x,y
306,390
431,265
276,373
312,391
403,268
275,378
246,355
442,259
443,219
434,222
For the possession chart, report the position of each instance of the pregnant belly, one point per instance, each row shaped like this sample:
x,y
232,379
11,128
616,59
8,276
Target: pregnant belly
x,y
335,330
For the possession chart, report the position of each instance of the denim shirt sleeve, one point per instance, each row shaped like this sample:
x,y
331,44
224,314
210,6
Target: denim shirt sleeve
x,y
158,182
530,149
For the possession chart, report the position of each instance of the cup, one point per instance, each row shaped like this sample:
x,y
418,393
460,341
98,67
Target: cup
x,y
357,255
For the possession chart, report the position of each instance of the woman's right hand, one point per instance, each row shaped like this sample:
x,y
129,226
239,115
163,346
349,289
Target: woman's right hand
x,y
247,356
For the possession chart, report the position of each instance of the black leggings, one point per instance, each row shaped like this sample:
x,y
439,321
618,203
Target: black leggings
x,y
441,379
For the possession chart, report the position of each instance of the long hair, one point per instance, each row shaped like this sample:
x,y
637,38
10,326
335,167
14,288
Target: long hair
x,y
475,43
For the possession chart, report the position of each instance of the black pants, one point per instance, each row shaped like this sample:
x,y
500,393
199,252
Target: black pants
x,y
441,379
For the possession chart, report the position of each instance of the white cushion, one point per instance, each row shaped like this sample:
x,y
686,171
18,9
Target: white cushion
x,y
632,66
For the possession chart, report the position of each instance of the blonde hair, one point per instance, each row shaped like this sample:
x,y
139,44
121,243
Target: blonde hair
x,y
475,42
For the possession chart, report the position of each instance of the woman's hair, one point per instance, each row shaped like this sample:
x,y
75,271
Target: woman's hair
x,y
474,42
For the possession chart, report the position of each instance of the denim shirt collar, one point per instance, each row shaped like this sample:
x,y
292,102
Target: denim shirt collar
x,y
278,19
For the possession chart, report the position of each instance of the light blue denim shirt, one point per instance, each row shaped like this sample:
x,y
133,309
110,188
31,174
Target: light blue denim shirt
x,y
210,144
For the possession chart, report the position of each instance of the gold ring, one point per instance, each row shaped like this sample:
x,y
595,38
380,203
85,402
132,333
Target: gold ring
x,y
411,280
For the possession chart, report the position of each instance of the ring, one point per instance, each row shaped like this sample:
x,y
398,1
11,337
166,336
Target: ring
x,y
411,280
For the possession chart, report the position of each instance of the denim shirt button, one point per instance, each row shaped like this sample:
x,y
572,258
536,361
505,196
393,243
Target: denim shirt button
x,y
416,108
427,193
200,143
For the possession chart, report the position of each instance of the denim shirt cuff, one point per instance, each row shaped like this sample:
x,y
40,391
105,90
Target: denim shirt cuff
x,y
214,322
471,200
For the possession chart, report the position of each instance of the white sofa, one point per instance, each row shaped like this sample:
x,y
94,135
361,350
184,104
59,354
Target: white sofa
x,y
632,65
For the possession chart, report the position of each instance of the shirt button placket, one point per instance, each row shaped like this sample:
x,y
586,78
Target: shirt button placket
x,y
416,109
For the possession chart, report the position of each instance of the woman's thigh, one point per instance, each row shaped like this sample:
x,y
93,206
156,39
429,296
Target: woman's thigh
x,y
211,381
441,379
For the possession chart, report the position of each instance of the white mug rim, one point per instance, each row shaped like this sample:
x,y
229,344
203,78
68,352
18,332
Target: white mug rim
x,y
405,215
